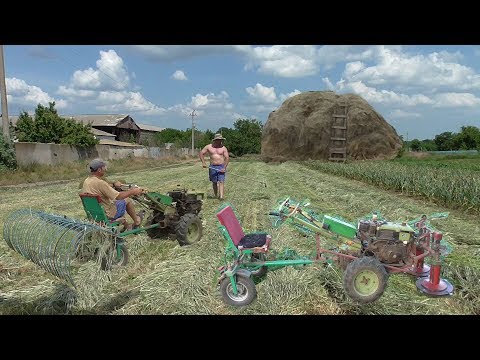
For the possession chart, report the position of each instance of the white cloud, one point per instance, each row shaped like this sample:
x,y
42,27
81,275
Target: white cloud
x,y
436,70
110,74
383,96
329,55
456,100
127,102
69,92
19,92
212,110
328,83
281,60
262,94
179,75
401,114
284,97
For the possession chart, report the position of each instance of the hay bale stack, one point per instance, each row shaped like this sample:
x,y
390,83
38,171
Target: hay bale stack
x,y
300,129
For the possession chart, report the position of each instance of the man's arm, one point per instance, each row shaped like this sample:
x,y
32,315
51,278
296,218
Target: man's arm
x,y
202,155
124,194
226,159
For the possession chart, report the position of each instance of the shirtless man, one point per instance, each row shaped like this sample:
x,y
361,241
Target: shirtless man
x,y
218,163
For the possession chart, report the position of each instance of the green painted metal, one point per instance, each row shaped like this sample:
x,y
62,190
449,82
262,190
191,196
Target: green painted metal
x,y
234,284
159,198
366,282
138,230
340,227
396,227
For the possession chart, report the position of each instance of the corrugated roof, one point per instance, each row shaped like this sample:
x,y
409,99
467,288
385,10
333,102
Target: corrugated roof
x,y
101,133
98,120
149,127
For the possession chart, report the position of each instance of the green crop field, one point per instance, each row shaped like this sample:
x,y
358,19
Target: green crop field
x,y
164,278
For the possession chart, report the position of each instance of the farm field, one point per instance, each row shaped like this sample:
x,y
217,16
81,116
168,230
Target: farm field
x,y
164,278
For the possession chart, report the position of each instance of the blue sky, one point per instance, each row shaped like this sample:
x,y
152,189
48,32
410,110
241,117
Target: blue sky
x,y
421,91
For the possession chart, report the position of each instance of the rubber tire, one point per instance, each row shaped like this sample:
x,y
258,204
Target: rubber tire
x,y
261,272
366,263
243,284
122,261
181,229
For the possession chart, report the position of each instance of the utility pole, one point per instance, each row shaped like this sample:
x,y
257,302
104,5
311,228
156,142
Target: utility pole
x,y
3,90
193,129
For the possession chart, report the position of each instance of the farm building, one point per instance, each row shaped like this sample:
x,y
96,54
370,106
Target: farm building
x,y
147,133
113,127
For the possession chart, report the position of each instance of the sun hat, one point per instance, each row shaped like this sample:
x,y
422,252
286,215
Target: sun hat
x,y
218,137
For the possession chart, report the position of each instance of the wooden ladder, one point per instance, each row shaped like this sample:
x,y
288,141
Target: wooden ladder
x,y
338,134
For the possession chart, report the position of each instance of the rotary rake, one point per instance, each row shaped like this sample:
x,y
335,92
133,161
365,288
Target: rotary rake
x,y
56,243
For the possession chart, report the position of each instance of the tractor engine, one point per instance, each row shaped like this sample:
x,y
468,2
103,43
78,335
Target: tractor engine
x,y
390,243
187,203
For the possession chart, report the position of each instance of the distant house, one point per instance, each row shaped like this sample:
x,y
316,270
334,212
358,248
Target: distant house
x,y
122,126
147,133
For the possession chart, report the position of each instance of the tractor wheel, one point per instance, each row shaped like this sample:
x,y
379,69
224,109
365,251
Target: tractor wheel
x,y
246,291
365,279
114,257
262,271
189,229
156,233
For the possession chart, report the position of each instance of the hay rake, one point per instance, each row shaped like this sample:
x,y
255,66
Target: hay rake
x,y
53,242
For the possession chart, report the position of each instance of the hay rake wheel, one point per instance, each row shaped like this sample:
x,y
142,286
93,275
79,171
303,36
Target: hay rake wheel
x,y
54,242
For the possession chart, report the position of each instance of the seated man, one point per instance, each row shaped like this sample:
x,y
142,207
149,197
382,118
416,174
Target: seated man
x,y
114,202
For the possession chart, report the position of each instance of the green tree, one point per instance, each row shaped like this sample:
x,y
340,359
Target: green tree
x,y
49,127
467,139
249,136
444,141
415,145
25,128
428,145
169,135
204,138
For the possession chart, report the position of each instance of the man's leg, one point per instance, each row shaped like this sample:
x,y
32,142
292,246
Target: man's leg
x,y
131,212
221,184
212,175
220,188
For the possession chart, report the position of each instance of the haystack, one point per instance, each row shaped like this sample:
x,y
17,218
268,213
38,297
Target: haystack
x,y
301,129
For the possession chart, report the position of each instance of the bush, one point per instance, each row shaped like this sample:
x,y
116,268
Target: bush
x,y
7,155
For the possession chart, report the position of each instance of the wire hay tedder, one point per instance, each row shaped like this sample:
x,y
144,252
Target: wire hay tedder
x,y
368,252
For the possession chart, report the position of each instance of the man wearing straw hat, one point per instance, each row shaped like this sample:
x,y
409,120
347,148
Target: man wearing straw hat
x,y
218,164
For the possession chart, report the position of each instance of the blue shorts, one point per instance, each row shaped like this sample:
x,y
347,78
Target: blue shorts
x,y
121,208
215,175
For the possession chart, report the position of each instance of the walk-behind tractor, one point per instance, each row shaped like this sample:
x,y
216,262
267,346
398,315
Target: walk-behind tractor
x,y
176,213
368,252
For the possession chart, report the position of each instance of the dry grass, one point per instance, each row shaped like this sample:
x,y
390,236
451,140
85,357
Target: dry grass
x,y
164,278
